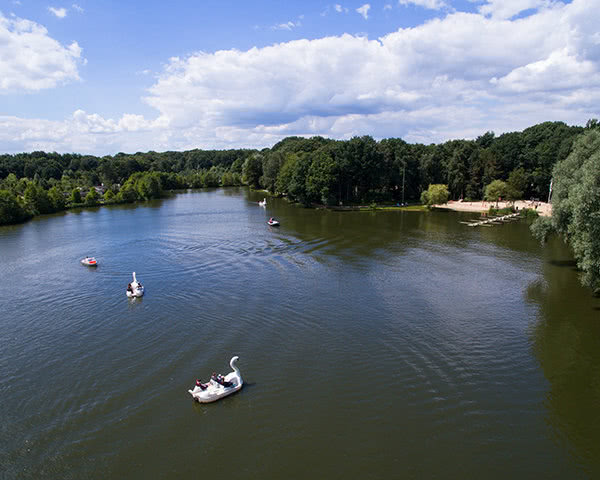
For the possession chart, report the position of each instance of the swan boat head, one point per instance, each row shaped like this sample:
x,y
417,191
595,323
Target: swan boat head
x,y
236,371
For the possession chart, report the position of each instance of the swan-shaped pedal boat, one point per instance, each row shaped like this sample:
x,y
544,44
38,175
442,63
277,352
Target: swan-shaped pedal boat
x,y
263,202
135,288
272,222
218,386
89,261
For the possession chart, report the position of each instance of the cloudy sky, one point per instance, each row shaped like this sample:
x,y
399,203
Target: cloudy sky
x,y
108,76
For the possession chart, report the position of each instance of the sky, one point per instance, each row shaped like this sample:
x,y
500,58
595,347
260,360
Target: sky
x,y
106,76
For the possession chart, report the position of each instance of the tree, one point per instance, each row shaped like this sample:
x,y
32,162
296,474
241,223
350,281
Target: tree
x,y
499,189
10,182
252,170
11,210
485,140
92,197
75,196
322,179
271,165
436,194
36,199
294,171
127,194
56,198
457,167
109,196
518,181
576,206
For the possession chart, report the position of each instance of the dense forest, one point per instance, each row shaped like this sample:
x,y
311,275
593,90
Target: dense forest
x,y
308,170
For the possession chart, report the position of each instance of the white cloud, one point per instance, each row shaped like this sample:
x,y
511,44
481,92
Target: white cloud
x,y
430,4
452,77
445,65
84,133
338,8
286,26
58,12
364,10
561,70
77,8
31,60
504,9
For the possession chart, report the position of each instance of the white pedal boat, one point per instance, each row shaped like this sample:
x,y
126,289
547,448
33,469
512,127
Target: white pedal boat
x,y
272,222
89,261
263,202
135,288
218,386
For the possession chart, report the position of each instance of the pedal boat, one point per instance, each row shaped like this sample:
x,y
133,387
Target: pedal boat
x,y
137,290
218,387
89,262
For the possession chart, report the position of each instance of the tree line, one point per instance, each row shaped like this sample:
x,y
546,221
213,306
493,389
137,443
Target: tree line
x,y
308,170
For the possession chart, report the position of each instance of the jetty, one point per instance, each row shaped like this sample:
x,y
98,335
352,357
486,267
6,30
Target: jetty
x,y
489,221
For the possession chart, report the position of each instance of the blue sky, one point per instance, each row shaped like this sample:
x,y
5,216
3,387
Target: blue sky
x,y
102,77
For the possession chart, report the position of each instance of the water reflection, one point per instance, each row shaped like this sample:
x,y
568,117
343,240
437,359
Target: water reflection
x,y
566,342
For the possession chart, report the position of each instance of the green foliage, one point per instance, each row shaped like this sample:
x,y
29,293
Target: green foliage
x,y
517,182
11,210
75,196
530,214
57,199
272,164
36,199
461,157
322,178
127,194
500,211
576,206
252,170
109,196
436,194
500,190
298,171
286,172
92,197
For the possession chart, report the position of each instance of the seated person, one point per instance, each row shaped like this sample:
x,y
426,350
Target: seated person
x,y
220,380
200,384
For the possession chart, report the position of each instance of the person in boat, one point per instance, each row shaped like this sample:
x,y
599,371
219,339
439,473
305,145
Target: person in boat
x,y
201,385
217,377
129,288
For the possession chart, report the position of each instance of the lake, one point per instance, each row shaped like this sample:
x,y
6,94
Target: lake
x,y
390,344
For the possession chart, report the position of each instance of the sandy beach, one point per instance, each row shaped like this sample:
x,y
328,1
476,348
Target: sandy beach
x,y
543,208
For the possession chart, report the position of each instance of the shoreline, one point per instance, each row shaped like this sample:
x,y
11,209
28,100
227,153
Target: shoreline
x,y
543,208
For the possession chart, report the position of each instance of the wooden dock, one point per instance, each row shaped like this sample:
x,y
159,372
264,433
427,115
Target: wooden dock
x,y
489,221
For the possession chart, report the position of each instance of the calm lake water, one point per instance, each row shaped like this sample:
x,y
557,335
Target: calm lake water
x,y
373,345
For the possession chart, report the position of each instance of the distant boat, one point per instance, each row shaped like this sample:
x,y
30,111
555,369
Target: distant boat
x,y
89,261
135,288
272,222
263,202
